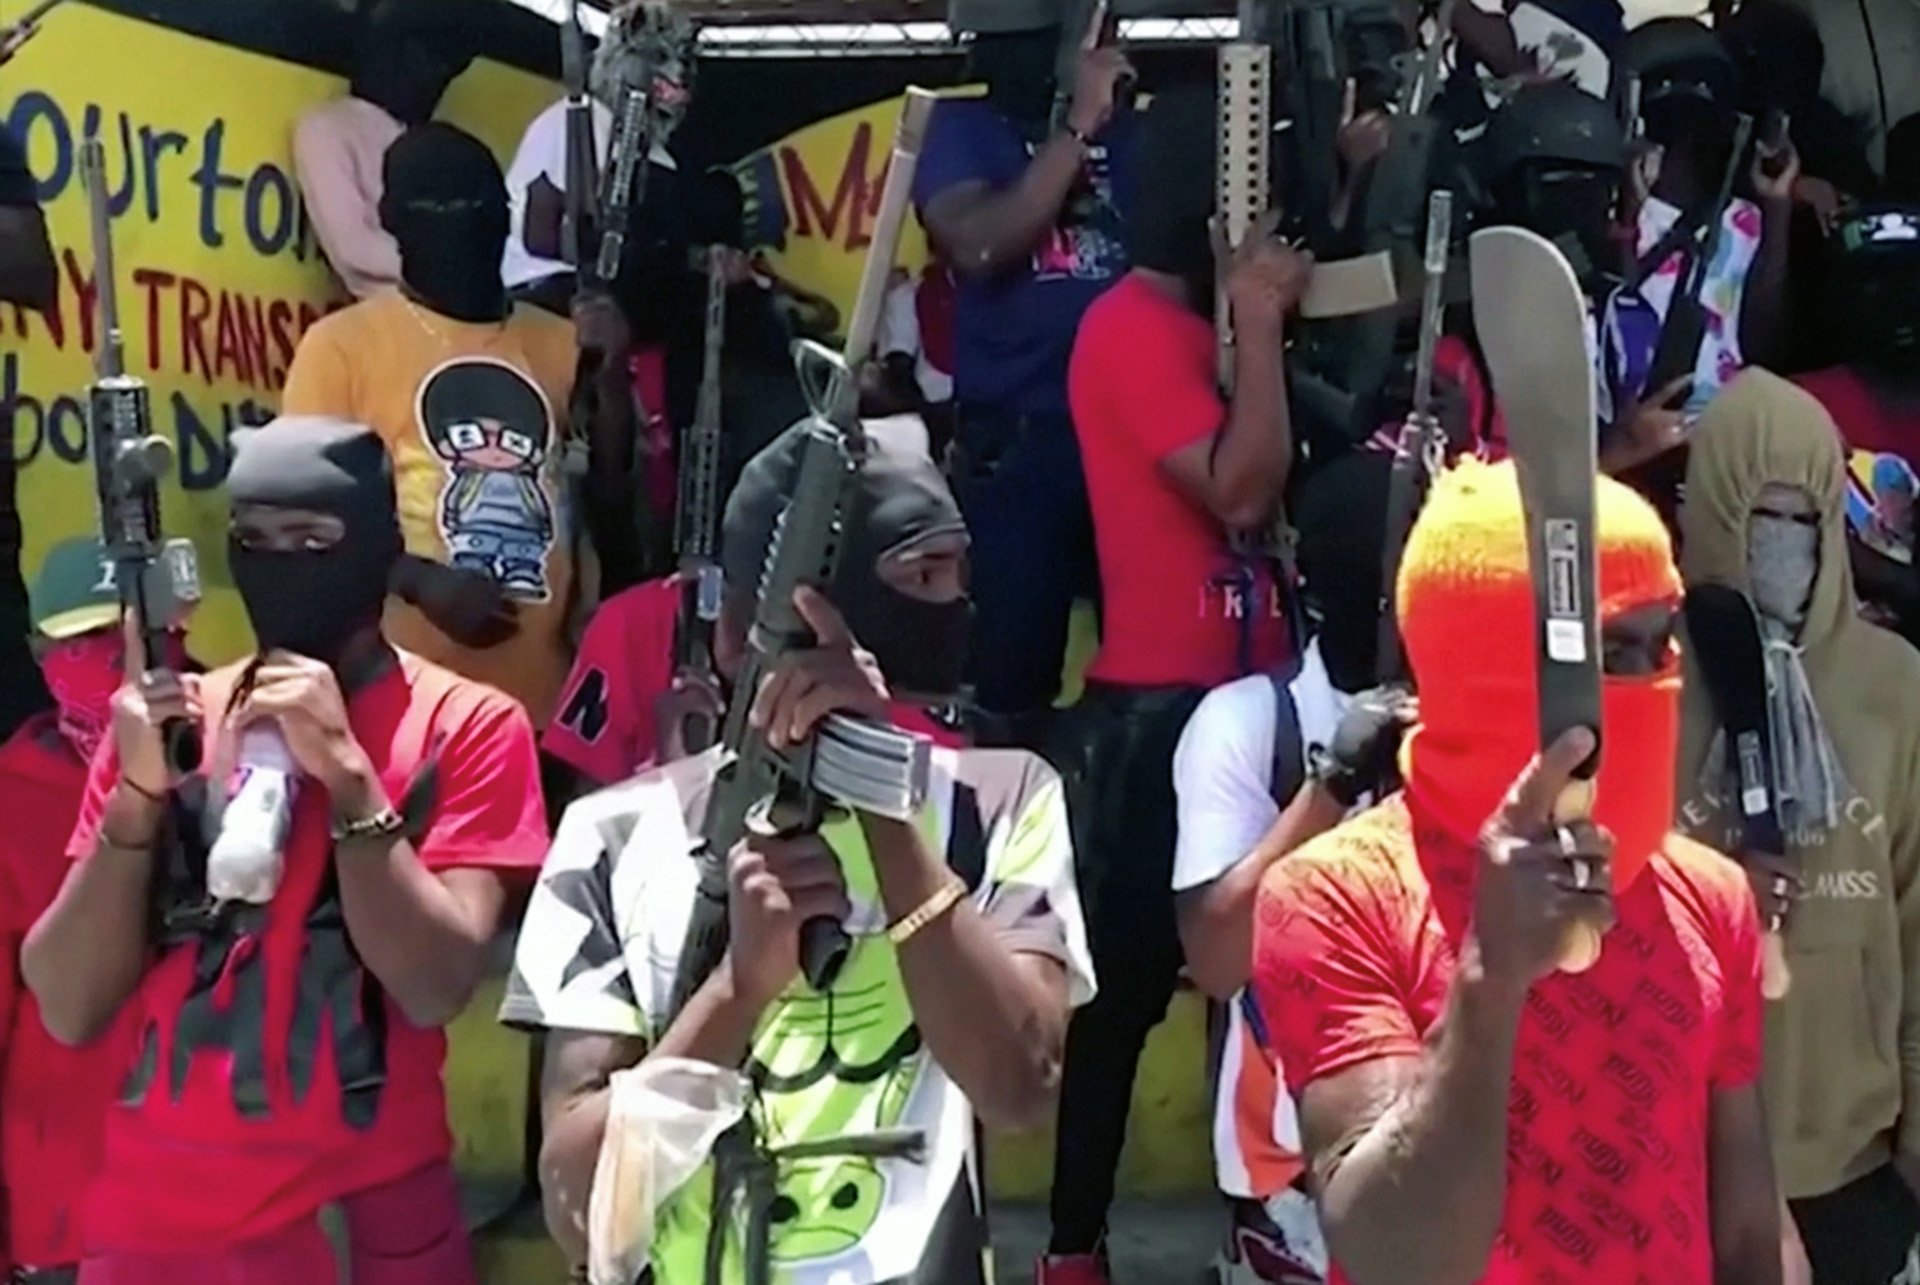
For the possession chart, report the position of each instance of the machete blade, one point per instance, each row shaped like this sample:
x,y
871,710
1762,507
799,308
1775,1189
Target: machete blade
x,y
1724,635
1531,317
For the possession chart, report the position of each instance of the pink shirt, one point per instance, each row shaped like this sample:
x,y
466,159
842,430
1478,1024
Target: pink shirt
x,y
338,149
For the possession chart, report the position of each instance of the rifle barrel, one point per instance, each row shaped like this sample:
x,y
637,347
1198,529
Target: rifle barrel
x,y
111,360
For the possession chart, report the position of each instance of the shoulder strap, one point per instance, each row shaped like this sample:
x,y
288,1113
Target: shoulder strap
x,y
1289,766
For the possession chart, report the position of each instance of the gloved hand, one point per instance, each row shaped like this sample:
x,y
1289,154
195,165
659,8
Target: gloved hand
x,y
1366,745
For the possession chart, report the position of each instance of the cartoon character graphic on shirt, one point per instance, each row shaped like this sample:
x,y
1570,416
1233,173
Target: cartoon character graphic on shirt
x,y
492,427
1085,244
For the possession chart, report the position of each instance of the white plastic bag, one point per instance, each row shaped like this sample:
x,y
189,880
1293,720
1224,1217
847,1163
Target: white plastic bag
x,y
662,1121
249,854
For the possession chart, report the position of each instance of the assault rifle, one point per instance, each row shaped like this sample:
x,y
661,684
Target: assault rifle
x,y
1678,350
855,762
581,158
852,761
1421,450
697,522
155,576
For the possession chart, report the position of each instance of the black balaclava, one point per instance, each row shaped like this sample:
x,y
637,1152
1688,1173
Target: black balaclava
x,y
901,499
1017,68
311,602
408,52
1169,228
1341,516
445,203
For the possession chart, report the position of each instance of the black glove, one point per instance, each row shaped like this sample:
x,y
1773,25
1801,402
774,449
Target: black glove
x,y
1366,745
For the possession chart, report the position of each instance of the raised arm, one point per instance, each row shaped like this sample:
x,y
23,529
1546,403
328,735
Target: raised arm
x,y
984,230
1240,473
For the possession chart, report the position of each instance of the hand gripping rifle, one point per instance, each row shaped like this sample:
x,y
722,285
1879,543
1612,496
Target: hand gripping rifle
x,y
852,761
697,533
155,576
1678,350
1421,450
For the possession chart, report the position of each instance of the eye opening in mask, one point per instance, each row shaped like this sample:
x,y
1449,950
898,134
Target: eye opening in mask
x,y
267,529
1639,642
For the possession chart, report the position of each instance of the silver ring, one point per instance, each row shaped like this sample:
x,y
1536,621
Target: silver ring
x,y
1780,887
1565,835
1582,874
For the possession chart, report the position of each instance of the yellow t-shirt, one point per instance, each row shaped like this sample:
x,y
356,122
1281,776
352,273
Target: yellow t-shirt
x,y
474,416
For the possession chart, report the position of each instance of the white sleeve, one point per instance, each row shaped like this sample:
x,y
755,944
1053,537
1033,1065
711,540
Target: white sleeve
x,y
1221,779
569,969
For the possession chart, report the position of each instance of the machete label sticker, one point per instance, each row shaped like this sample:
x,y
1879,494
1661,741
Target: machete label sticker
x,y
1566,630
1753,783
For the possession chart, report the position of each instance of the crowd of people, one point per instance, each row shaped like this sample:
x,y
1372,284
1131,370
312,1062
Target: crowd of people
x,y
455,548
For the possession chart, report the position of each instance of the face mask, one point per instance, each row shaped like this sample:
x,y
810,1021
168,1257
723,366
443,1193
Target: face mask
x,y
1018,70
1466,610
83,673
900,501
1570,205
1782,557
446,205
312,602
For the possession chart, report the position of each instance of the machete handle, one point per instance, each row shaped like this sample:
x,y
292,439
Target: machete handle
x,y
1776,978
1580,943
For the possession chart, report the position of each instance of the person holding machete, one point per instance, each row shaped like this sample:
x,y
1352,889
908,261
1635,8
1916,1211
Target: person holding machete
x,y
1765,514
1470,1112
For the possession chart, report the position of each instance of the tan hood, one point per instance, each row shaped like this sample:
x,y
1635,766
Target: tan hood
x,y
1759,430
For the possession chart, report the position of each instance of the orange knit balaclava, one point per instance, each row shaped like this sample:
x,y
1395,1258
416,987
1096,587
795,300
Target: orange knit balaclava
x,y
1466,610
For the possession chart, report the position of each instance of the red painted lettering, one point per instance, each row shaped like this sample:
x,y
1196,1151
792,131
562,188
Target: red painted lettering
x,y
196,308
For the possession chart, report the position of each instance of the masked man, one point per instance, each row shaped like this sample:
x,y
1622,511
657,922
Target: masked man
x,y
409,51
1266,763
1171,471
968,946
467,390
1029,210
1765,515
53,1099
1469,1112
290,1052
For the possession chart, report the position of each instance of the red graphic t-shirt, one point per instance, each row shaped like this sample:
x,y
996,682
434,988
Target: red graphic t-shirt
x,y
605,728
1179,608
1607,1120
53,1099
272,1075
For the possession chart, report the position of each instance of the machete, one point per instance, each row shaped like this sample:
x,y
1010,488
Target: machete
x,y
1531,317
1724,635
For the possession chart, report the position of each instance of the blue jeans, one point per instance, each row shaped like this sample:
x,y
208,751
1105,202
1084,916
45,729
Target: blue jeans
x,y
1020,486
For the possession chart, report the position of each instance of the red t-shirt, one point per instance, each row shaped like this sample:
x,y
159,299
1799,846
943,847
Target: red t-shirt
x,y
53,1099
1607,1181
1177,603
1866,421
605,727
273,1076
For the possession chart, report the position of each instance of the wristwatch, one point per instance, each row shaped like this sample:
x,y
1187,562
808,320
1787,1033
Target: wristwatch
x,y
383,824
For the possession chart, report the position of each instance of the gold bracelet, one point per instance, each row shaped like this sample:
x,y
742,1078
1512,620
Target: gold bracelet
x,y
931,909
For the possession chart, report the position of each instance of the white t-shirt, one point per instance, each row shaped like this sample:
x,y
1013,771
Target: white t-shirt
x,y
598,951
543,154
1222,779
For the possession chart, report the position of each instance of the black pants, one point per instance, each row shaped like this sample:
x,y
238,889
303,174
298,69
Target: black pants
x,y
1115,753
1019,483
1866,1233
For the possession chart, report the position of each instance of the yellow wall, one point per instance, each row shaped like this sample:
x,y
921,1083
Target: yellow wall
x,y
217,270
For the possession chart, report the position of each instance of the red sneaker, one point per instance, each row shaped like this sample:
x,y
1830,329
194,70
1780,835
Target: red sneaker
x,y
1070,1269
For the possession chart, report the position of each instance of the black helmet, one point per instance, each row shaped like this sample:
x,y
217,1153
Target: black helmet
x,y
1677,58
1554,122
